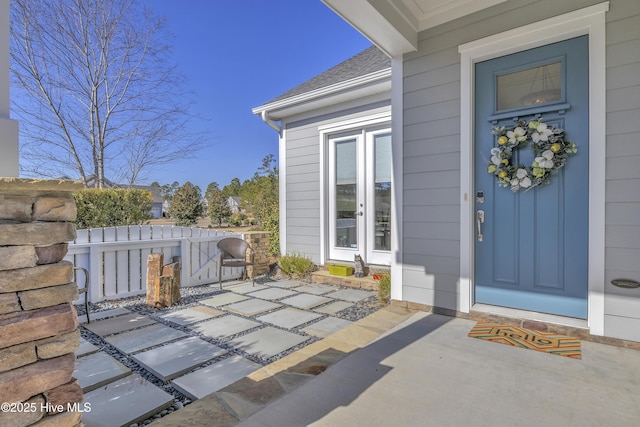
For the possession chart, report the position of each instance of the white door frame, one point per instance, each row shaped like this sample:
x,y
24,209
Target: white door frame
x,y
587,21
325,134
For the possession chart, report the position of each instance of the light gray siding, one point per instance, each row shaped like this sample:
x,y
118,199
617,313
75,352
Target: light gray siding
x,y
431,146
622,306
302,171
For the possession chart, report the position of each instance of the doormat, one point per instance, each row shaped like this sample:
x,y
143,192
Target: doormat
x,y
545,342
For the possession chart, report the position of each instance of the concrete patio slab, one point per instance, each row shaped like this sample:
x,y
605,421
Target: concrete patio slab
x,y
99,315
286,283
251,307
212,378
326,327
85,348
171,360
267,342
245,288
272,293
95,370
289,318
315,289
118,324
124,402
352,295
143,338
191,315
222,327
334,307
306,302
223,299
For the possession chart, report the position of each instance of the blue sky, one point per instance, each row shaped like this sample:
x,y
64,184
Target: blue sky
x,y
239,55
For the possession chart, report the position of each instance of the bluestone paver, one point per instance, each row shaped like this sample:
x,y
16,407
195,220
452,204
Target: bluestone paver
x,y
305,301
143,338
286,283
171,360
192,315
315,289
289,318
251,307
223,299
352,295
105,313
326,327
98,369
118,324
267,342
214,377
85,348
222,327
245,288
334,307
124,402
272,293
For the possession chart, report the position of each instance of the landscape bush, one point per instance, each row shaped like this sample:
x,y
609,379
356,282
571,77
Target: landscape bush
x,y
110,207
296,266
384,286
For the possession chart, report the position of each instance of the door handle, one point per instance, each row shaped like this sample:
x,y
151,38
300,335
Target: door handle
x,y
480,221
359,213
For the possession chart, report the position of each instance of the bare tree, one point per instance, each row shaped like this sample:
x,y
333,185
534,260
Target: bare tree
x,y
96,92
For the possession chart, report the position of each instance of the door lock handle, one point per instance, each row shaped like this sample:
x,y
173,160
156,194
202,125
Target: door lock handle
x,y
359,213
480,221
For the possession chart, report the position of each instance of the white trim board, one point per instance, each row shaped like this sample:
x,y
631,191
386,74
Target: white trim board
x,y
587,21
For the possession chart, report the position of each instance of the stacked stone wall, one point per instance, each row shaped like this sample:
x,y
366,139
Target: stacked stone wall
x,y
259,241
38,323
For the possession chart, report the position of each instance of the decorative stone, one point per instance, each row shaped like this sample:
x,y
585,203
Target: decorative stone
x,y
13,257
25,326
52,253
22,419
41,276
58,345
54,209
163,283
16,208
36,187
45,297
27,381
37,233
70,392
9,303
16,356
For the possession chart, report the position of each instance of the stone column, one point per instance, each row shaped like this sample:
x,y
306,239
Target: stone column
x,y
38,323
259,241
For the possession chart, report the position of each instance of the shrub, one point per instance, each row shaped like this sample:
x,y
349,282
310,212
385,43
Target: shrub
x,y
296,265
110,207
384,286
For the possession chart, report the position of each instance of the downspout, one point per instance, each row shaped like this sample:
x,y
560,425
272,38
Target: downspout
x,y
272,124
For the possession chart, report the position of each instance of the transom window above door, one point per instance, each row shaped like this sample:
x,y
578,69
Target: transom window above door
x,y
533,85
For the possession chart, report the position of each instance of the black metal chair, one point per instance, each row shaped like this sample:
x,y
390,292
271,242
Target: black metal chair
x,y
233,253
84,290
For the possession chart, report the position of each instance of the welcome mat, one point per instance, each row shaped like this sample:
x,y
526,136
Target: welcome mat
x,y
546,342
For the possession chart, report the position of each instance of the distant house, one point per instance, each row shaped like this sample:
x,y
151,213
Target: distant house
x,y
234,204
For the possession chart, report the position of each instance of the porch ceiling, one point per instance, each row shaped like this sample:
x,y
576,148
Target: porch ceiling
x,y
393,25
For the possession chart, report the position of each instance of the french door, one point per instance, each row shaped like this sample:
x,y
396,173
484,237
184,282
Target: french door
x,y
359,189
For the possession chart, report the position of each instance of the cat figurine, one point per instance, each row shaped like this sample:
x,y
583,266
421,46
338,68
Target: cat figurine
x,y
360,269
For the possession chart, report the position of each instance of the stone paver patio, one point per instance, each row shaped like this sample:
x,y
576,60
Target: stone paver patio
x,y
193,351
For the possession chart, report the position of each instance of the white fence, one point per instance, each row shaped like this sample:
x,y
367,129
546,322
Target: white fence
x,y
116,257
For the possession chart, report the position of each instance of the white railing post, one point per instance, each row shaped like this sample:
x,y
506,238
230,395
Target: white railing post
x,y
185,261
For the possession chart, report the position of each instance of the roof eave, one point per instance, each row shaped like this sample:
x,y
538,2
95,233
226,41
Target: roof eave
x,y
347,90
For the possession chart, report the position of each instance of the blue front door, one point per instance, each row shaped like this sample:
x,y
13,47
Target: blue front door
x,y
533,253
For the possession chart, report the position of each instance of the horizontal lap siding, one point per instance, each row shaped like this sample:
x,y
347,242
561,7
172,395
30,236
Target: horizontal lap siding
x,y
431,146
302,169
622,255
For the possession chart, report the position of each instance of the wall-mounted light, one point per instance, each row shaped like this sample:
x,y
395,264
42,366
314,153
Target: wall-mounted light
x,y
626,283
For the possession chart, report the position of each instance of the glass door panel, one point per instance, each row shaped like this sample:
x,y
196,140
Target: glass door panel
x,y
346,191
382,192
